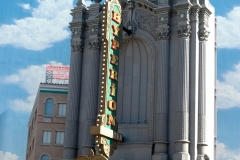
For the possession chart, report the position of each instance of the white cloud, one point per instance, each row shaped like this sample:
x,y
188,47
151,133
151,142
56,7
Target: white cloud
x,y
223,153
28,79
8,156
47,25
25,6
228,29
228,91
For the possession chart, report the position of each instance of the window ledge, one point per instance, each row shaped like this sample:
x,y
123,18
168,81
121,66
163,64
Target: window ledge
x,y
58,145
48,116
61,116
46,144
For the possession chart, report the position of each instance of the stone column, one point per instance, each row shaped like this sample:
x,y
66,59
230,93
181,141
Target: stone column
x,y
182,110
90,82
161,111
203,35
72,117
193,79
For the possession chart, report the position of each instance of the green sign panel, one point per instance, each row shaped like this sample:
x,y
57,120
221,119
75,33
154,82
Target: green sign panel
x,y
106,129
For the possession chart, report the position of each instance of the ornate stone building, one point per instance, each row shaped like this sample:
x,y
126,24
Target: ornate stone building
x,y
166,80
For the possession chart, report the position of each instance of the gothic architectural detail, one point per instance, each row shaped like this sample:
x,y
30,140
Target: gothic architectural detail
x,y
184,30
161,107
77,46
203,34
203,16
94,43
94,29
183,15
76,31
147,22
163,33
163,18
194,14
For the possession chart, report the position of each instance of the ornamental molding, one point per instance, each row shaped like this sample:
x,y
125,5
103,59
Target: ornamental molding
x,y
163,18
183,15
94,29
77,46
147,22
203,17
94,43
194,14
203,34
184,30
163,33
76,31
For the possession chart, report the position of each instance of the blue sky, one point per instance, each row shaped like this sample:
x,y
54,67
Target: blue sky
x,y
34,33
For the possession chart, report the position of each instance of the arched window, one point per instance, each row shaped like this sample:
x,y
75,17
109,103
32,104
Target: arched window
x,y
49,107
44,157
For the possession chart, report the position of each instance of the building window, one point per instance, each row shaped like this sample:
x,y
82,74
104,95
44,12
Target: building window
x,y
62,109
45,157
59,137
49,107
46,137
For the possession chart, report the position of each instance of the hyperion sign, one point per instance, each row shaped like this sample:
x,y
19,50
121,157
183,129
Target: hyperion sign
x,y
106,129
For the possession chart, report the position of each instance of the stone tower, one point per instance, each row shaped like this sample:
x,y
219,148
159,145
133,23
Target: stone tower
x,y
166,80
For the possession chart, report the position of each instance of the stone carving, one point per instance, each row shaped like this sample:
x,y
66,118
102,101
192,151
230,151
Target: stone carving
x,y
76,31
183,15
94,28
76,46
147,22
163,33
203,18
203,34
163,18
94,43
194,15
131,25
184,30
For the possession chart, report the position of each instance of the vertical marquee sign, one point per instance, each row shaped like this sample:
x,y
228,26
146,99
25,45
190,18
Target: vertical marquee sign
x,y
106,129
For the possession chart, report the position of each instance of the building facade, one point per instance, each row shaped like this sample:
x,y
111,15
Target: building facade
x,y
166,80
46,126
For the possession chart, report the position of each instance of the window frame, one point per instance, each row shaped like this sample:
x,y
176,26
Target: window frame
x,y
44,155
62,109
47,138
59,140
49,107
